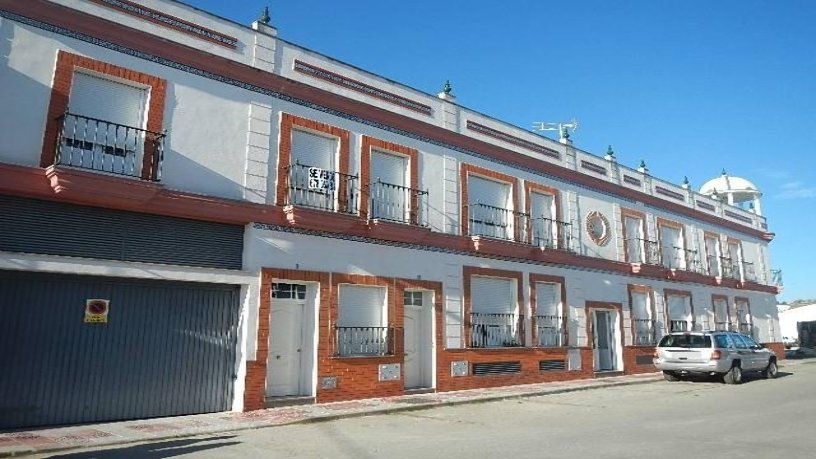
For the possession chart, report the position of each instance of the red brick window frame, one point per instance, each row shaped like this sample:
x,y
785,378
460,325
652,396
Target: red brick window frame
x,y
287,125
728,314
712,260
394,311
411,154
534,279
663,222
649,292
67,65
466,171
468,272
532,187
624,213
671,292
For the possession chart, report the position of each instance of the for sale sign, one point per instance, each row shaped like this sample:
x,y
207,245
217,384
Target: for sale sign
x,y
321,179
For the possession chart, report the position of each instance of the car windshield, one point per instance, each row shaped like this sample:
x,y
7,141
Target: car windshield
x,y
690,341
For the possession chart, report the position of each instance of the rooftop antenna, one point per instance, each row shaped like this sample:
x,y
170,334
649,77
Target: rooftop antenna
x,y
562,128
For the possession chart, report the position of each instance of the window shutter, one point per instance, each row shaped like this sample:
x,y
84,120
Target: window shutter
x,y
388,168
548,299
488,192
679,308
633,228
640,305
361,306
107,100
491,295
313,150
721,310
541,206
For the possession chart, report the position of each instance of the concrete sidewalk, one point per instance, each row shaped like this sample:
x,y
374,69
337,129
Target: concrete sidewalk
x,y
114,433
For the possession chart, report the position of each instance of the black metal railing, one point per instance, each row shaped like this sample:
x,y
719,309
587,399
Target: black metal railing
x,y
712,265
99,145
322,189
551,234
644,332
363,341
550,330
730,268
748,271
497,222
681,258
776,277
640,250
746,328
496,330
399,204
679,325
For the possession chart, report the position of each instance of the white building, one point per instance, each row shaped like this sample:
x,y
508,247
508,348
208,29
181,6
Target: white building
x,y
789,319
199,216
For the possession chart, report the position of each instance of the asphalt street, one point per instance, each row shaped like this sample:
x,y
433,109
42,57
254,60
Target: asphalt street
x,y
758,419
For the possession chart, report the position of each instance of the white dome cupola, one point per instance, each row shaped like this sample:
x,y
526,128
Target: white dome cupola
x,y
737,191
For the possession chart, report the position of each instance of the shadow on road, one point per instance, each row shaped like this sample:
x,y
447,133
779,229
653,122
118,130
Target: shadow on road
x,y
156,450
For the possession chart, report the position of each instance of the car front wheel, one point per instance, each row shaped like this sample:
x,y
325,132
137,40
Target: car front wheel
x,y
771,370
734,375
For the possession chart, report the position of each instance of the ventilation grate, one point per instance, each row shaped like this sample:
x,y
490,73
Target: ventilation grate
x,y
496,368
643,360
551,365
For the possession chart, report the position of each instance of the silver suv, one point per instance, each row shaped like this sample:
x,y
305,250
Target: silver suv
x,y
717,353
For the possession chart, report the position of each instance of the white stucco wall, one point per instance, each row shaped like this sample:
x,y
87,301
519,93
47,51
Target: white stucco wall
x,y
275,249
207,121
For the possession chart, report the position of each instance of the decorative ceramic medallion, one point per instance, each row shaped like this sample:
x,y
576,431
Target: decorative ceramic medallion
x,y
597,227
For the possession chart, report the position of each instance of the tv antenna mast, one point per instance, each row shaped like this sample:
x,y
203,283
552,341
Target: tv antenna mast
x,y
562,128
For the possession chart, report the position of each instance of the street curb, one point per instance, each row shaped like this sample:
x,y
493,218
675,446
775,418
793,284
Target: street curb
x,y
334,417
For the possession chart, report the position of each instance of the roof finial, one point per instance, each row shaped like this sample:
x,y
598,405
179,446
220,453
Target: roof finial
x,y
447,92
715,196
724,172
264,18
642,168
610,154
686,183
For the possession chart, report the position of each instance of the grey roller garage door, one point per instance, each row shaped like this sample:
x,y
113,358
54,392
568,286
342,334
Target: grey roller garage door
x,y
168,348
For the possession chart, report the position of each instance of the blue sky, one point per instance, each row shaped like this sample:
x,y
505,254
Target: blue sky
x,y
691,87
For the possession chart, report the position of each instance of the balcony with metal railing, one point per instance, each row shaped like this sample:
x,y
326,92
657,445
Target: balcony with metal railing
x,y
489,330
730,268
551,234
496,222
749,272
679,325
103,146
682,259
399,204
550,331
363,341
643,333
712,265
322,189
640,250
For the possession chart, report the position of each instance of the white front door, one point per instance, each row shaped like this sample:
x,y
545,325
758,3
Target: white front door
x,y
286,348
604,352
418,342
